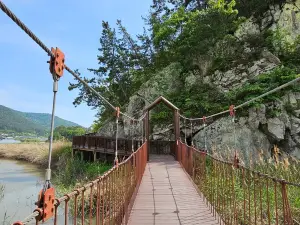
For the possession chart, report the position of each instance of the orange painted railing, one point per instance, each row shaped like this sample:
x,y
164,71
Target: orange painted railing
x,y
106,200
239,195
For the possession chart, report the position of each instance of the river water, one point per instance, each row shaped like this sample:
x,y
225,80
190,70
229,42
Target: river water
x,y
20,183
9,141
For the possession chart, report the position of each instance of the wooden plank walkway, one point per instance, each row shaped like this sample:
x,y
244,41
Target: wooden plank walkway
x,y
167,196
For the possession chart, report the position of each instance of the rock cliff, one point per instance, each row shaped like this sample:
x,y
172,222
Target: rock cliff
x,y
253,132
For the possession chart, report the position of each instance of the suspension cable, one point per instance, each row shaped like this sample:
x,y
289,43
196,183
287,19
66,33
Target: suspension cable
x,y
142,130
48,170
180,139
132,123
11,15
232,115
185,130
192,144
205,138
251,100
117,131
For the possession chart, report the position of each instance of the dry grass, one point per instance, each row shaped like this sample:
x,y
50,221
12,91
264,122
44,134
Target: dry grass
x,y
36,153
254,196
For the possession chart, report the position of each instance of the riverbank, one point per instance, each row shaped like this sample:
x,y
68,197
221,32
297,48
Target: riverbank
x,y
67,171
36,153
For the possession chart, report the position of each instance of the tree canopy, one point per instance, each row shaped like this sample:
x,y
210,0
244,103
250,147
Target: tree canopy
x,y
67,133
176,31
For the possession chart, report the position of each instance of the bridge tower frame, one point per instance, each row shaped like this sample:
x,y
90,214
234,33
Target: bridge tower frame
x,y
176,122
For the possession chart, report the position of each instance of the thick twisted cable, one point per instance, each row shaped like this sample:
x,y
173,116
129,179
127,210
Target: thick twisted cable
x,y
24,28
117,131
30,218
133,119
250,101
142,117
11,15
89,87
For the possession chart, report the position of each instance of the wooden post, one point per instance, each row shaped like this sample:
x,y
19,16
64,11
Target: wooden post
x,y
95,156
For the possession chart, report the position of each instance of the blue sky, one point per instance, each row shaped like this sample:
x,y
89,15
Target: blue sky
x,y
72,25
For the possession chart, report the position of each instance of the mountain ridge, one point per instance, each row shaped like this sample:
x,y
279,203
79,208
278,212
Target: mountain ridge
x,y
29,122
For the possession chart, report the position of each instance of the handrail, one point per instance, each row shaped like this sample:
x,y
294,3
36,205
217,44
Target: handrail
x,y
240,195
106,199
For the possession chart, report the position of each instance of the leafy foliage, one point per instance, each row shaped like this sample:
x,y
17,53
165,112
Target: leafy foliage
x,y
175,28
288,51
182,32
256,8
67,133
121,61
262,84
73,170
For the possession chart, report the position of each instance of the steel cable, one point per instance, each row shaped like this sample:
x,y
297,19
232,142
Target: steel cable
x,y
11,15
31,217
249,101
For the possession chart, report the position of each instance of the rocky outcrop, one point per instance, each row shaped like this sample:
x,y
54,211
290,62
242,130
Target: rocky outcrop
x,y
285,17
225,136
277,123
164,82
237,76
256,133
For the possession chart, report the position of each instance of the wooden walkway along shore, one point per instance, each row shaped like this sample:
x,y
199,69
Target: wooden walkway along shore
x,y
167,196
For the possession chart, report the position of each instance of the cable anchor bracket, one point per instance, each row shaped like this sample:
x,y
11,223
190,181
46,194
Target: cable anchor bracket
x,y
57,62
45,204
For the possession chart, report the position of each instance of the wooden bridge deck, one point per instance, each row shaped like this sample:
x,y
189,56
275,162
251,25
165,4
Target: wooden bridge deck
x,y
167,196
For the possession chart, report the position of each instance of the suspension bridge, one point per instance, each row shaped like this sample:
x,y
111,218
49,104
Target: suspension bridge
x,y
185,185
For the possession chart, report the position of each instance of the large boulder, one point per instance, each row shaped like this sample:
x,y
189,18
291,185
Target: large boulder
x,y
237,76
287,18
223,137
162,83
248,28
276,128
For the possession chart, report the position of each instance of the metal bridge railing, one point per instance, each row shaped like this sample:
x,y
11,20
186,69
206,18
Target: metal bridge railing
x,y
106,200
239,195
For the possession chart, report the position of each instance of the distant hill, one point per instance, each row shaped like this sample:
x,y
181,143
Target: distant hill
x,y
24,122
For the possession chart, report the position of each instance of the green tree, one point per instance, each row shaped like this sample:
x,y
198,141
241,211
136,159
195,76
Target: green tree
x,y
121,64
67,133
